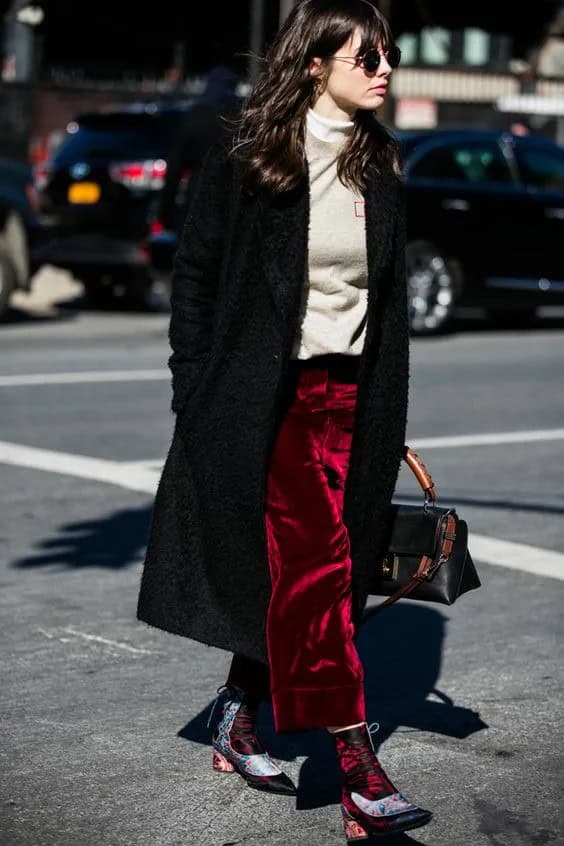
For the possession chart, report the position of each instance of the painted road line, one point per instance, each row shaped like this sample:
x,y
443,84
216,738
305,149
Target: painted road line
x,y
517,556
22,380
98,469
108,376
116,643
52,635
148,464
136,477
488,439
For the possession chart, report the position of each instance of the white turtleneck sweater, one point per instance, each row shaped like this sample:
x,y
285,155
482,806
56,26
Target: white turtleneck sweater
x,y
335,297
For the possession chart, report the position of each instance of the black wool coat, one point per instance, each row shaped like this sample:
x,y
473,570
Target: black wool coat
x,y
238,284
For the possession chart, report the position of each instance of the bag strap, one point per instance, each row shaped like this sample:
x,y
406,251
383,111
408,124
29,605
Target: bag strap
x,y
415,581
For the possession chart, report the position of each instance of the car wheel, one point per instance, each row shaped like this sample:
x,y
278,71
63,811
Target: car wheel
x,y
117,289
433,285
132,288
512,318
98,289
8,279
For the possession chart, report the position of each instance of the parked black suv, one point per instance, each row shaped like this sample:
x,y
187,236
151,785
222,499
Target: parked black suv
x,y
118,175
485,226
485,211
98,193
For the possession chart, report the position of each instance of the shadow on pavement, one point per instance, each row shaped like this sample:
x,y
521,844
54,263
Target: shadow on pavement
x,y
401,651
115,541
67,310
545,322
457,499
15,315
150,305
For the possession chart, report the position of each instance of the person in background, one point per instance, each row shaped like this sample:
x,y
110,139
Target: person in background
x,y
289,331
519,127
549,58
201,126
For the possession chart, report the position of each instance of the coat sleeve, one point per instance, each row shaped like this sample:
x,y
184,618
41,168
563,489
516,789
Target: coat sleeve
x,y
195,274
378,461
396,331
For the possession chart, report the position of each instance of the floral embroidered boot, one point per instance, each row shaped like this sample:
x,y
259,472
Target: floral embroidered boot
x,y
371,804
236,747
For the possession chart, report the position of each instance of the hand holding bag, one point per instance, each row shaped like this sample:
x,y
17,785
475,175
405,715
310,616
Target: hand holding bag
x,y
428,556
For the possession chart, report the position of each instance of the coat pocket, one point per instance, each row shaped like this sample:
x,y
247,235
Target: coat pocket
x,y
191,391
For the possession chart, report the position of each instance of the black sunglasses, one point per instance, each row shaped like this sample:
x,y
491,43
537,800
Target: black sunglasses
x,y
372,58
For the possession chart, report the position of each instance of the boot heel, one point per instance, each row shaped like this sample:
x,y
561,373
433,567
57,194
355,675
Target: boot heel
x,y
354,832
220,763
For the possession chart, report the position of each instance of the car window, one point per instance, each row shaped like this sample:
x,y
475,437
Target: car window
x,y
541,167
472,162
110,137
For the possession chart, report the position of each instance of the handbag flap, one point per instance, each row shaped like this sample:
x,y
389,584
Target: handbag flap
x,y
415,531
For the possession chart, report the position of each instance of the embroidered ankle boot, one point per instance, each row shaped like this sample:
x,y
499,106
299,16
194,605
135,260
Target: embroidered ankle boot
x,y
236,747
371,804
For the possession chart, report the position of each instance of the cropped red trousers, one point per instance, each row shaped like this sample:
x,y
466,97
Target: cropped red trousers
x,y
315,676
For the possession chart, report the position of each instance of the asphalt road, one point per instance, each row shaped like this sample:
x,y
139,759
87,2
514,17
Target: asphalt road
x,y
104,719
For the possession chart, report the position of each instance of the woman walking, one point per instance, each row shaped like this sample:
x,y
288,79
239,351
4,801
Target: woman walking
x,y
290,374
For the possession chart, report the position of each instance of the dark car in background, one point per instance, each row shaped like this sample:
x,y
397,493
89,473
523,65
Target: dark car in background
x,y
485,211
97,196
120,176
485,225
18,225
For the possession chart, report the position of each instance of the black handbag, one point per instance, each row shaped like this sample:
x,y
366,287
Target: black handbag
x,y
428,555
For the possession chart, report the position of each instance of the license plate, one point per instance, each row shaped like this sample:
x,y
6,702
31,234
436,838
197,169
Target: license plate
x,y
85,193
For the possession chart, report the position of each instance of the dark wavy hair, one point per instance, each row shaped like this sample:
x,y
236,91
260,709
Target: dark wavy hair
x,y
270,133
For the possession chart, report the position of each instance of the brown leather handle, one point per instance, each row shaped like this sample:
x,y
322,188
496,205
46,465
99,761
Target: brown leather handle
x,y
426,567
421,473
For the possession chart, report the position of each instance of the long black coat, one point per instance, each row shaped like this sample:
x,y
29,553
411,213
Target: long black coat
x,y
238,283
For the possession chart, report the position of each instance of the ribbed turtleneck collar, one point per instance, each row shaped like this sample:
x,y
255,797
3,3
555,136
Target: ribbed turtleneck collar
x,y
328,129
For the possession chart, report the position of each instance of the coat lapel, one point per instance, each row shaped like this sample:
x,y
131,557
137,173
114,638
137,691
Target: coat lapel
x,y
284,249
284,231
380,215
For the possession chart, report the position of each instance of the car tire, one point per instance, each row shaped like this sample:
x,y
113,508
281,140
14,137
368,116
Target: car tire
x,y
8,283
512,318
98,289
117,289
132,288
434,282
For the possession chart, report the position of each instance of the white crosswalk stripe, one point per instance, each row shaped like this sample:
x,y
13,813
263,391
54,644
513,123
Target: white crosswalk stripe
x,y
83,377
143,477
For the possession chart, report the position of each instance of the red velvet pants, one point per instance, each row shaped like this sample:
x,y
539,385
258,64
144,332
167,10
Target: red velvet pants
x,y
316,677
